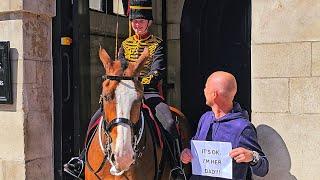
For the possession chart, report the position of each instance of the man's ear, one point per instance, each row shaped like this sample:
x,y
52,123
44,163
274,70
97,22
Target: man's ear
x,y
215,94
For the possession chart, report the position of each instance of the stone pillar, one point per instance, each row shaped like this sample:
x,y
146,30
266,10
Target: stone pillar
x,y
174,12
285,85
26,136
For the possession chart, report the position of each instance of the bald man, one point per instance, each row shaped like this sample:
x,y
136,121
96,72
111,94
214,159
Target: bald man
x,y
227,122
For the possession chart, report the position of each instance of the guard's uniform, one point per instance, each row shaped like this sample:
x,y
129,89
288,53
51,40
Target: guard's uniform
x,y
154,68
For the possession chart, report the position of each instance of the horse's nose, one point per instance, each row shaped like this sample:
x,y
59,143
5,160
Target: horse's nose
x,y
124,161
117,165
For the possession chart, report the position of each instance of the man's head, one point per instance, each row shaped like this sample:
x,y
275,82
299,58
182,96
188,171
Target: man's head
x,y
140,16
220,88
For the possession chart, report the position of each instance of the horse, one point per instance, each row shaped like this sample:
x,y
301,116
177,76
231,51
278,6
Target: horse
x,y
124,145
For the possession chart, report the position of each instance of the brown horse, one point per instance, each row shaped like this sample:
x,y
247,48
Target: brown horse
x,y
123,145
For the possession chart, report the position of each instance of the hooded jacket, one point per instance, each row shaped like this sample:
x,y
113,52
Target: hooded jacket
x,y
234,127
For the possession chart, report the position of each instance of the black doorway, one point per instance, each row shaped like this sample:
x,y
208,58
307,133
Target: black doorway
x,y
70,78
215,35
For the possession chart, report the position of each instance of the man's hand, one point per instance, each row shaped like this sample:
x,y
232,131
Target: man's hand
x,y
186,156
241,155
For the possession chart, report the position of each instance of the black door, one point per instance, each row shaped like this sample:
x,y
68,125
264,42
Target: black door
x,y
62,84
70,68
215,35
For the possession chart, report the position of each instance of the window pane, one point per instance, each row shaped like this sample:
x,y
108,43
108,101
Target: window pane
x,y
118,7
97,5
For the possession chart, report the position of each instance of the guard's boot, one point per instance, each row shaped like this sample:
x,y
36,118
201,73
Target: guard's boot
x,y
177,172
75,167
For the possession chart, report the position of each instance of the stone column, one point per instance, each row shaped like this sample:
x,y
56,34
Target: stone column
x,y
286,85
26,137
174,12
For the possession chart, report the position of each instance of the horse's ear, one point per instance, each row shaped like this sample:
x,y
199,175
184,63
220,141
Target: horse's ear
x,y
104,57
141,60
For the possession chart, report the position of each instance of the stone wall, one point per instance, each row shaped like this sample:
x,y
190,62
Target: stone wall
x,y
26,136
286,85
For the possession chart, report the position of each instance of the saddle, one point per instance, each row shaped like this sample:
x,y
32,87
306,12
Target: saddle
x,y
154,124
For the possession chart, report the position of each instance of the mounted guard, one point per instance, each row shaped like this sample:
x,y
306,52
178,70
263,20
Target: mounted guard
x,y
151,76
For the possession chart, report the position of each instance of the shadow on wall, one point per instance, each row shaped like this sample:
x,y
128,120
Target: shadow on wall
x,y
277,152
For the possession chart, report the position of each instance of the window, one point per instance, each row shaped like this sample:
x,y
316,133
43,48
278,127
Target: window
x,y
98,5
119,8
109,6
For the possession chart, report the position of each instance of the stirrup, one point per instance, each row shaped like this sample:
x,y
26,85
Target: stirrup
x,y
180,171
72,173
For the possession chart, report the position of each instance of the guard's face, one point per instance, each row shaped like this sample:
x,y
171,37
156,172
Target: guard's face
x,y
140,26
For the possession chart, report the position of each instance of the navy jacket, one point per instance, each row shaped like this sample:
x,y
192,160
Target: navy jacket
x,y
234,127
155,67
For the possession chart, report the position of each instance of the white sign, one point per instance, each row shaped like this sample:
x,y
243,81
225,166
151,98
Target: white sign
x,y
211,158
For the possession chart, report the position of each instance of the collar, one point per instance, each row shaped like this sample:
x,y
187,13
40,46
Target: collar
x,y
143,37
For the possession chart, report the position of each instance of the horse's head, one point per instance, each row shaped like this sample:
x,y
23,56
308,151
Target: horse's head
x,y
121,96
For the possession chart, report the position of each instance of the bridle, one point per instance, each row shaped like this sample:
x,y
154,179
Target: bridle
x,y
105,127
